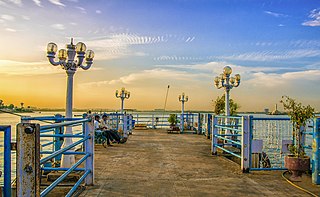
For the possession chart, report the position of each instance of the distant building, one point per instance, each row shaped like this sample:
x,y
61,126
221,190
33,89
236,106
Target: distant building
x,y
266,110
276,111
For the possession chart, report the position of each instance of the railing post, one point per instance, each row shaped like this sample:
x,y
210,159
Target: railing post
x,y
58,140
209,126
215,132
199,123
246,143
7,162
152,122
316,152
89,148
28,159
130,124
181,122
125,126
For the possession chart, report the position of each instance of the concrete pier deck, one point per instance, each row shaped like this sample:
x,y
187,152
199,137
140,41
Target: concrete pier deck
x,y
154,163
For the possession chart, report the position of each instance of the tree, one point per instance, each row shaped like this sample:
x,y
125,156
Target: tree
x,y
21,105
219,106
11,106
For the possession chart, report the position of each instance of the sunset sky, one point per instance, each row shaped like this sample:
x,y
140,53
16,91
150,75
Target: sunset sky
x,y
146,45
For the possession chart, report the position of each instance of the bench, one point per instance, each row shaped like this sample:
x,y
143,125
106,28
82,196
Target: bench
x,y
140,127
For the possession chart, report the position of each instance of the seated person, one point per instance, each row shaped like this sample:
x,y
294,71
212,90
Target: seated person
x,y
107,128
98,129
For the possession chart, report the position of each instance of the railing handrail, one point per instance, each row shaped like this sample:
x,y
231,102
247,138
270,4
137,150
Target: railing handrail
x,y
62,124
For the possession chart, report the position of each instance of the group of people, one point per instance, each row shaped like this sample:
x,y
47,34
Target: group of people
x,y
104,127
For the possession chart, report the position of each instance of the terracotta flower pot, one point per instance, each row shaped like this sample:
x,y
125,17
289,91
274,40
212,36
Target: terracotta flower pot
x,y
297,166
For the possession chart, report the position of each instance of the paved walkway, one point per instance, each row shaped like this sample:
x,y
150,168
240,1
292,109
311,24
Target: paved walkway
x,y
154,163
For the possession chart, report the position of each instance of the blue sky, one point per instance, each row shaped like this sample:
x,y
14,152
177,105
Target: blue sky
x,y
145,45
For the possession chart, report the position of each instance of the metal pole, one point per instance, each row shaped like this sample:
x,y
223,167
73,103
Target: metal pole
x,y
68,160
316,152
7,161
122,103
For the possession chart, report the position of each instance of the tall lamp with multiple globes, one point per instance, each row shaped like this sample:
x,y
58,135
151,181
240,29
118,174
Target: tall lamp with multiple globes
x,y
182,98
70,65
123,94
227,82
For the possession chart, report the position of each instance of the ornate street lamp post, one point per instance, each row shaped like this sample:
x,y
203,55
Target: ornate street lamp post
x,y
124,94
182,99
67,62
227,82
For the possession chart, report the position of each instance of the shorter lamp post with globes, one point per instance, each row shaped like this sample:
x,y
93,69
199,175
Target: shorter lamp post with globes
x,y
182,99
227,82
124,94
67,62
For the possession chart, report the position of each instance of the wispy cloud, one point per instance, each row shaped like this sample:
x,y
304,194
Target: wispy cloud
x,y
37,2
7,17
16,2
119,45
57,2
274,79
272,55
98,11
149,75
10,30
315,16
275,14
82,10
10,67
58,26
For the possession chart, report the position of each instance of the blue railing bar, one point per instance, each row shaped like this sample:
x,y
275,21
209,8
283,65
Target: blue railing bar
x,y
228,128
229,125
47,144
230,117
76,185
258,169
47,130
228,135
65,153
232,153
7,161
63,124
63,176
58,152
307,147
61,169
53,118
62,135
308,133
270,118
229,140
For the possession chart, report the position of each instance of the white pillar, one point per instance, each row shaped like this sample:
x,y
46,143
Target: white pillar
x,y
68,160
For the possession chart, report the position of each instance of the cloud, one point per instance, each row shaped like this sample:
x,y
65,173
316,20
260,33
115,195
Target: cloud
x,y
274,79
82,10
57,2
58,26
10,67
7,17
10,30
149,75
275,14
37,2
17,2
98,11
271,55
315,16
27,18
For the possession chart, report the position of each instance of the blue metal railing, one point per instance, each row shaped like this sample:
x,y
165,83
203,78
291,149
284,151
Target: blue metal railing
x,y
86,139
7,159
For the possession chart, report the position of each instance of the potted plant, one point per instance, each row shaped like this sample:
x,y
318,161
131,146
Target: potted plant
x,y
297,162
173,120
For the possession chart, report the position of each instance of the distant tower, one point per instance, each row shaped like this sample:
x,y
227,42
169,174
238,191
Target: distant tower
x,y
276,111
